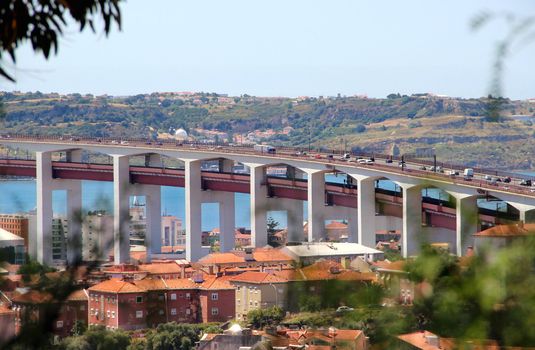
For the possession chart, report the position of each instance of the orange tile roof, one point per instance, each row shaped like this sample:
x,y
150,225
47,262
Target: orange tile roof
x,y
270,255
418,340
5,310
290,274
258,277
348,334
172,249
507,231
181,283
335,225
148,284
390,265
213,282
32,297
161,268
222,258
78,295
327,270
115,286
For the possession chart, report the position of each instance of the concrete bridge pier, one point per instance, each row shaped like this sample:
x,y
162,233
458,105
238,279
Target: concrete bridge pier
x,y
258,191
121,209
153,212
44,215
74,214
366,211
316,206
193,209
467,223
294,218
74,219
412,220
227,221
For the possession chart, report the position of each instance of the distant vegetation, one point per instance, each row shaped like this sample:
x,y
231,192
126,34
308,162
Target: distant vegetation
x,y
369,124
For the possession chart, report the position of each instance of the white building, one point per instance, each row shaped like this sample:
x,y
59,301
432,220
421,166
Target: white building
x,y
97,237
308,253
173,233
9,240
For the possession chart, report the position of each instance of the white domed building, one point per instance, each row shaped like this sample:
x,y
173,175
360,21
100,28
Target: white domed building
x,y
181,134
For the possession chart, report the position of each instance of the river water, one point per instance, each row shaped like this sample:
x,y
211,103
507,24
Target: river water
x,y
19,196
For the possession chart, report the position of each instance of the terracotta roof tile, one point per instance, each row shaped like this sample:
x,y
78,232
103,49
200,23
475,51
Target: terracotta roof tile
x,y
181,283
507,231
390,265
115,286
222,258
161,268
148,284
258,277
335,225
217,283
32,297
4,310
78,295
271,255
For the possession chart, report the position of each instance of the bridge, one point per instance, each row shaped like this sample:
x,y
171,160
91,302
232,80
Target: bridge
x,y
359,200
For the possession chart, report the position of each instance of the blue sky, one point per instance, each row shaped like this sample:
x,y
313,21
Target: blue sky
x,y
286,48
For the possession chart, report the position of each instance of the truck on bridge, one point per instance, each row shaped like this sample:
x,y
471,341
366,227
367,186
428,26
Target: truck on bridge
x,y
265,149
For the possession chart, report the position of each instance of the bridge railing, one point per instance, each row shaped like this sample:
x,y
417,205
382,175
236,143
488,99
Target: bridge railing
x,y
225,147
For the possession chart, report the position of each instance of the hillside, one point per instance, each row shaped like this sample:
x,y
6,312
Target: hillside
x,y
456,128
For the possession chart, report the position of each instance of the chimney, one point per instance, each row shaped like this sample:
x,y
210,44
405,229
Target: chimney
x,y
182,271
211,270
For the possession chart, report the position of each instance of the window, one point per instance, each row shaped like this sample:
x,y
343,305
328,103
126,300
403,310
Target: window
x,y
188,296
173,311
139,300
108,314
215,311
215,296
188,311
82,307
59,324
173,296
91,312
139,314
160,297
113,314
160,312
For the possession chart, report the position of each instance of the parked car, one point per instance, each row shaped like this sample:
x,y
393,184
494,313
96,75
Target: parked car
x,y
525,182
345,156
343,309
388,161
423,167
330,156
507,179
317,156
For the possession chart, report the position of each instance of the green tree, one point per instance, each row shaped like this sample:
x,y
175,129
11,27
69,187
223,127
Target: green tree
x,y
309,303
263,317
272,225
78,328
173,336
492,297
360,128
33,267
